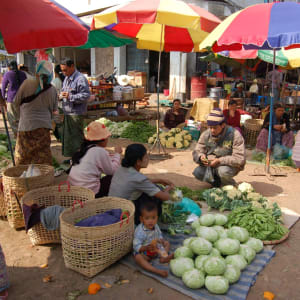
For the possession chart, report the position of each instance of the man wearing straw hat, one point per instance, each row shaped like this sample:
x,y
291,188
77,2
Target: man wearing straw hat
x,y
220,152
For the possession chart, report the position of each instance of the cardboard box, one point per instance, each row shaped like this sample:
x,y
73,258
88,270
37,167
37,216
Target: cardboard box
x,y
141,78
138,93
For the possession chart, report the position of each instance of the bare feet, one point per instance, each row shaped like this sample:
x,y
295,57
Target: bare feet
x,y
166,259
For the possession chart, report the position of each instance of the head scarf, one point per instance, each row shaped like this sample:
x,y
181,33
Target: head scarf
x,y
44,67
215,117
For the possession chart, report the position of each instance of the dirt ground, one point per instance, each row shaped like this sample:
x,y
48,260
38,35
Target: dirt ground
x,y
281,276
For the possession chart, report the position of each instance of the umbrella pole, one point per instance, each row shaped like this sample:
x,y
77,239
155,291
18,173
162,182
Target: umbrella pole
x,y
268,157
8,136
157,142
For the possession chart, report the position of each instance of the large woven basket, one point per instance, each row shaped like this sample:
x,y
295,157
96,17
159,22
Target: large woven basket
x,y
16,187
2,202
64,196
252,128
89,250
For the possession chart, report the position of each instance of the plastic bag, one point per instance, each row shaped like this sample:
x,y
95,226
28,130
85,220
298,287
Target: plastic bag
x,y
189,205
208,175
280,152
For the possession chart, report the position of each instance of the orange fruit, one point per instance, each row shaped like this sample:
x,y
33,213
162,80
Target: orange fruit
x,y
94,288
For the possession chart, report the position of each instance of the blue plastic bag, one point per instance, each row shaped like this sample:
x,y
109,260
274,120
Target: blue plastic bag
x,y
189,205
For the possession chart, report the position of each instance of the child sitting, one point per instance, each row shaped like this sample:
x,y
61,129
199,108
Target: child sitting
x,y
147,238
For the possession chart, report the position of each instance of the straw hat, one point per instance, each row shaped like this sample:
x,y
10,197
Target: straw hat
x,y
96,131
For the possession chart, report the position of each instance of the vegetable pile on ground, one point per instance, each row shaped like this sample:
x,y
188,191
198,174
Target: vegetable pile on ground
x,y
216,257
261,223
174,138
173,216
195,195
230,198
5,156
261,157
135,131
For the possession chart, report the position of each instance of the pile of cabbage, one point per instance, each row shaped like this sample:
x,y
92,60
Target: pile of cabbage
x,y
229,198
174,138
215,258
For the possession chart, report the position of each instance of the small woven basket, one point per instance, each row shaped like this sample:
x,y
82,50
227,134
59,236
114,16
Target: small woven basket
x,y
15,188
252,128
89,250
64,196
2,202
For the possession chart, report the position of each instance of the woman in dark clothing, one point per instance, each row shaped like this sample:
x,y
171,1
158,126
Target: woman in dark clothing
x,y
281,130
129,183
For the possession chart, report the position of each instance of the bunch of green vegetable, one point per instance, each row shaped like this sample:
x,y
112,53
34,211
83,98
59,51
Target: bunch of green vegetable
x,y
230,198
5,156
216,257
138,131
195,195
174,138
258,221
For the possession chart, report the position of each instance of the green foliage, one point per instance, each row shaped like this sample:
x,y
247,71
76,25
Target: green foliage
x,y
138,132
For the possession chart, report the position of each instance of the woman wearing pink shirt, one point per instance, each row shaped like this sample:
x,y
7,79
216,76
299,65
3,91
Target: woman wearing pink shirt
x,y
92,161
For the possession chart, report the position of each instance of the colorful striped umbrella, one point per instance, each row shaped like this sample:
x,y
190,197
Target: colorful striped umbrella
x,y
289,59
261,26
160,25
267,26
39,24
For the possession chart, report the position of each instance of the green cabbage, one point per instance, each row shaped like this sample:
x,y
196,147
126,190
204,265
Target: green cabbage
x,y
208,233
195,224
238,233
232,273
199,262
217,284
201,246
183,252
255,244
236,260
214,265
228,246
221,231
207,220
214,252
193,279
247,252
220,219
187,242
180,265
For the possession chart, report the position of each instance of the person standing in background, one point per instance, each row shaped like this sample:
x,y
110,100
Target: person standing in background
x,y
11,82
35,102
58,80
74,95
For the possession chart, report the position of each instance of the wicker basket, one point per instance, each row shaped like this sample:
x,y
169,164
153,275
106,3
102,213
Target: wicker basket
x,y
89,250
15,188
252,128
49,196
2,202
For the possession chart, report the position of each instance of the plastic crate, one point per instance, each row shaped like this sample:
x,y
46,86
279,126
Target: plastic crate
x,y
195,133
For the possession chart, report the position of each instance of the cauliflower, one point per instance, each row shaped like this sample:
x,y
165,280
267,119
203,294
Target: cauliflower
x,y
151,140
163,142
171,140
178,138
177,130
169,143
170,134
173,130
162,135
184,132
245,187
179,145
186,143
176,195
188,137
252,196
228,188
233,194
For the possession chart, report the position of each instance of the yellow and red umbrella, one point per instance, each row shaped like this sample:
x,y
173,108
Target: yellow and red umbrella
x,y
160,25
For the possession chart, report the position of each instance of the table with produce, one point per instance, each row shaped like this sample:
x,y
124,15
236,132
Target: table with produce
x,y
216,246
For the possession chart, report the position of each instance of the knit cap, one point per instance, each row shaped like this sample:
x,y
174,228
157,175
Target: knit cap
x,y
215,117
